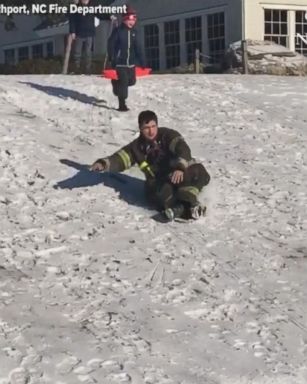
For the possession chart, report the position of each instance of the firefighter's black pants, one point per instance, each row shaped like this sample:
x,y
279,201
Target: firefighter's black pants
x,y
163,194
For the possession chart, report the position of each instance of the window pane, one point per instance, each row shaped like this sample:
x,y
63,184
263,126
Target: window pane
x,y
50,50
275,29
283,41
284,29
37,51
193,37
222,30
151,40
299,17
284,16
210,32
172,56
268,28
9,56
267,15
216,36
276,15
23,53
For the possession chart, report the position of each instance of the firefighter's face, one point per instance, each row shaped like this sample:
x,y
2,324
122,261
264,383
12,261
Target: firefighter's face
x,y
85,2
149,130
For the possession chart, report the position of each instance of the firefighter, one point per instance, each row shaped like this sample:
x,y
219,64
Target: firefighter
x,y
173,178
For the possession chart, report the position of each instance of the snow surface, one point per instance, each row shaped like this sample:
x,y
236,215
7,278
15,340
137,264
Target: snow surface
x,y
94,291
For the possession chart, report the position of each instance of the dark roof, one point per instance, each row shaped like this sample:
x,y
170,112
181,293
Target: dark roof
x,y
49,23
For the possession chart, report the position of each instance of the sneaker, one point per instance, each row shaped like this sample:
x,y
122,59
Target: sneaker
x,y
197,211
174,212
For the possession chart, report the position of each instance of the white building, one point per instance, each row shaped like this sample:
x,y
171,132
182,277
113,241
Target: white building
x,y
171,30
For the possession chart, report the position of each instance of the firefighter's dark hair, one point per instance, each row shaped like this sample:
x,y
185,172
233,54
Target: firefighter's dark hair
x,y
146,116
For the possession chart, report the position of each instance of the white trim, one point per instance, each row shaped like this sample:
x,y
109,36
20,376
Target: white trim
x,y
291,29
288,7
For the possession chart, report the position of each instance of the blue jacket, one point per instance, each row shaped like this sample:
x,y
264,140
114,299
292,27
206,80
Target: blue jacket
x,y
124,48
84,26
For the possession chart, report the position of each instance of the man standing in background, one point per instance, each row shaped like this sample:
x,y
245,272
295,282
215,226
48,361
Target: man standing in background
x,y
82,31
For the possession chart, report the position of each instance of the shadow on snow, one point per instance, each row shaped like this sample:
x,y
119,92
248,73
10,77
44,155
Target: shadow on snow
x,y
64,93
130,189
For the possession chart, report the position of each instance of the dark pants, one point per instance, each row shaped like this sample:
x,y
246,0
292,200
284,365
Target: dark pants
x,y
163,194
126,78
79,43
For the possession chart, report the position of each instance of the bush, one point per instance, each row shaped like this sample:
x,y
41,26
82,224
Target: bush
x,y
40,66
53,65
34,66
6,69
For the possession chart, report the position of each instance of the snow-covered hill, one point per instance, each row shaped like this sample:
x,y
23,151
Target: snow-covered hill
x,y
94,291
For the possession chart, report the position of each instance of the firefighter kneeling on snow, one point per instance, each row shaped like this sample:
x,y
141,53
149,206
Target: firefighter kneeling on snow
x,y
173,178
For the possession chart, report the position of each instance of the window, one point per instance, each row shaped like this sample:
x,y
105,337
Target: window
x,y
216,36
193,32
301,28
276,26
23,53
50,49
9,56
172,43
37,51
151,34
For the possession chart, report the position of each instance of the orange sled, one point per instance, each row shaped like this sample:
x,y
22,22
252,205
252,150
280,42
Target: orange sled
x,y
112,74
